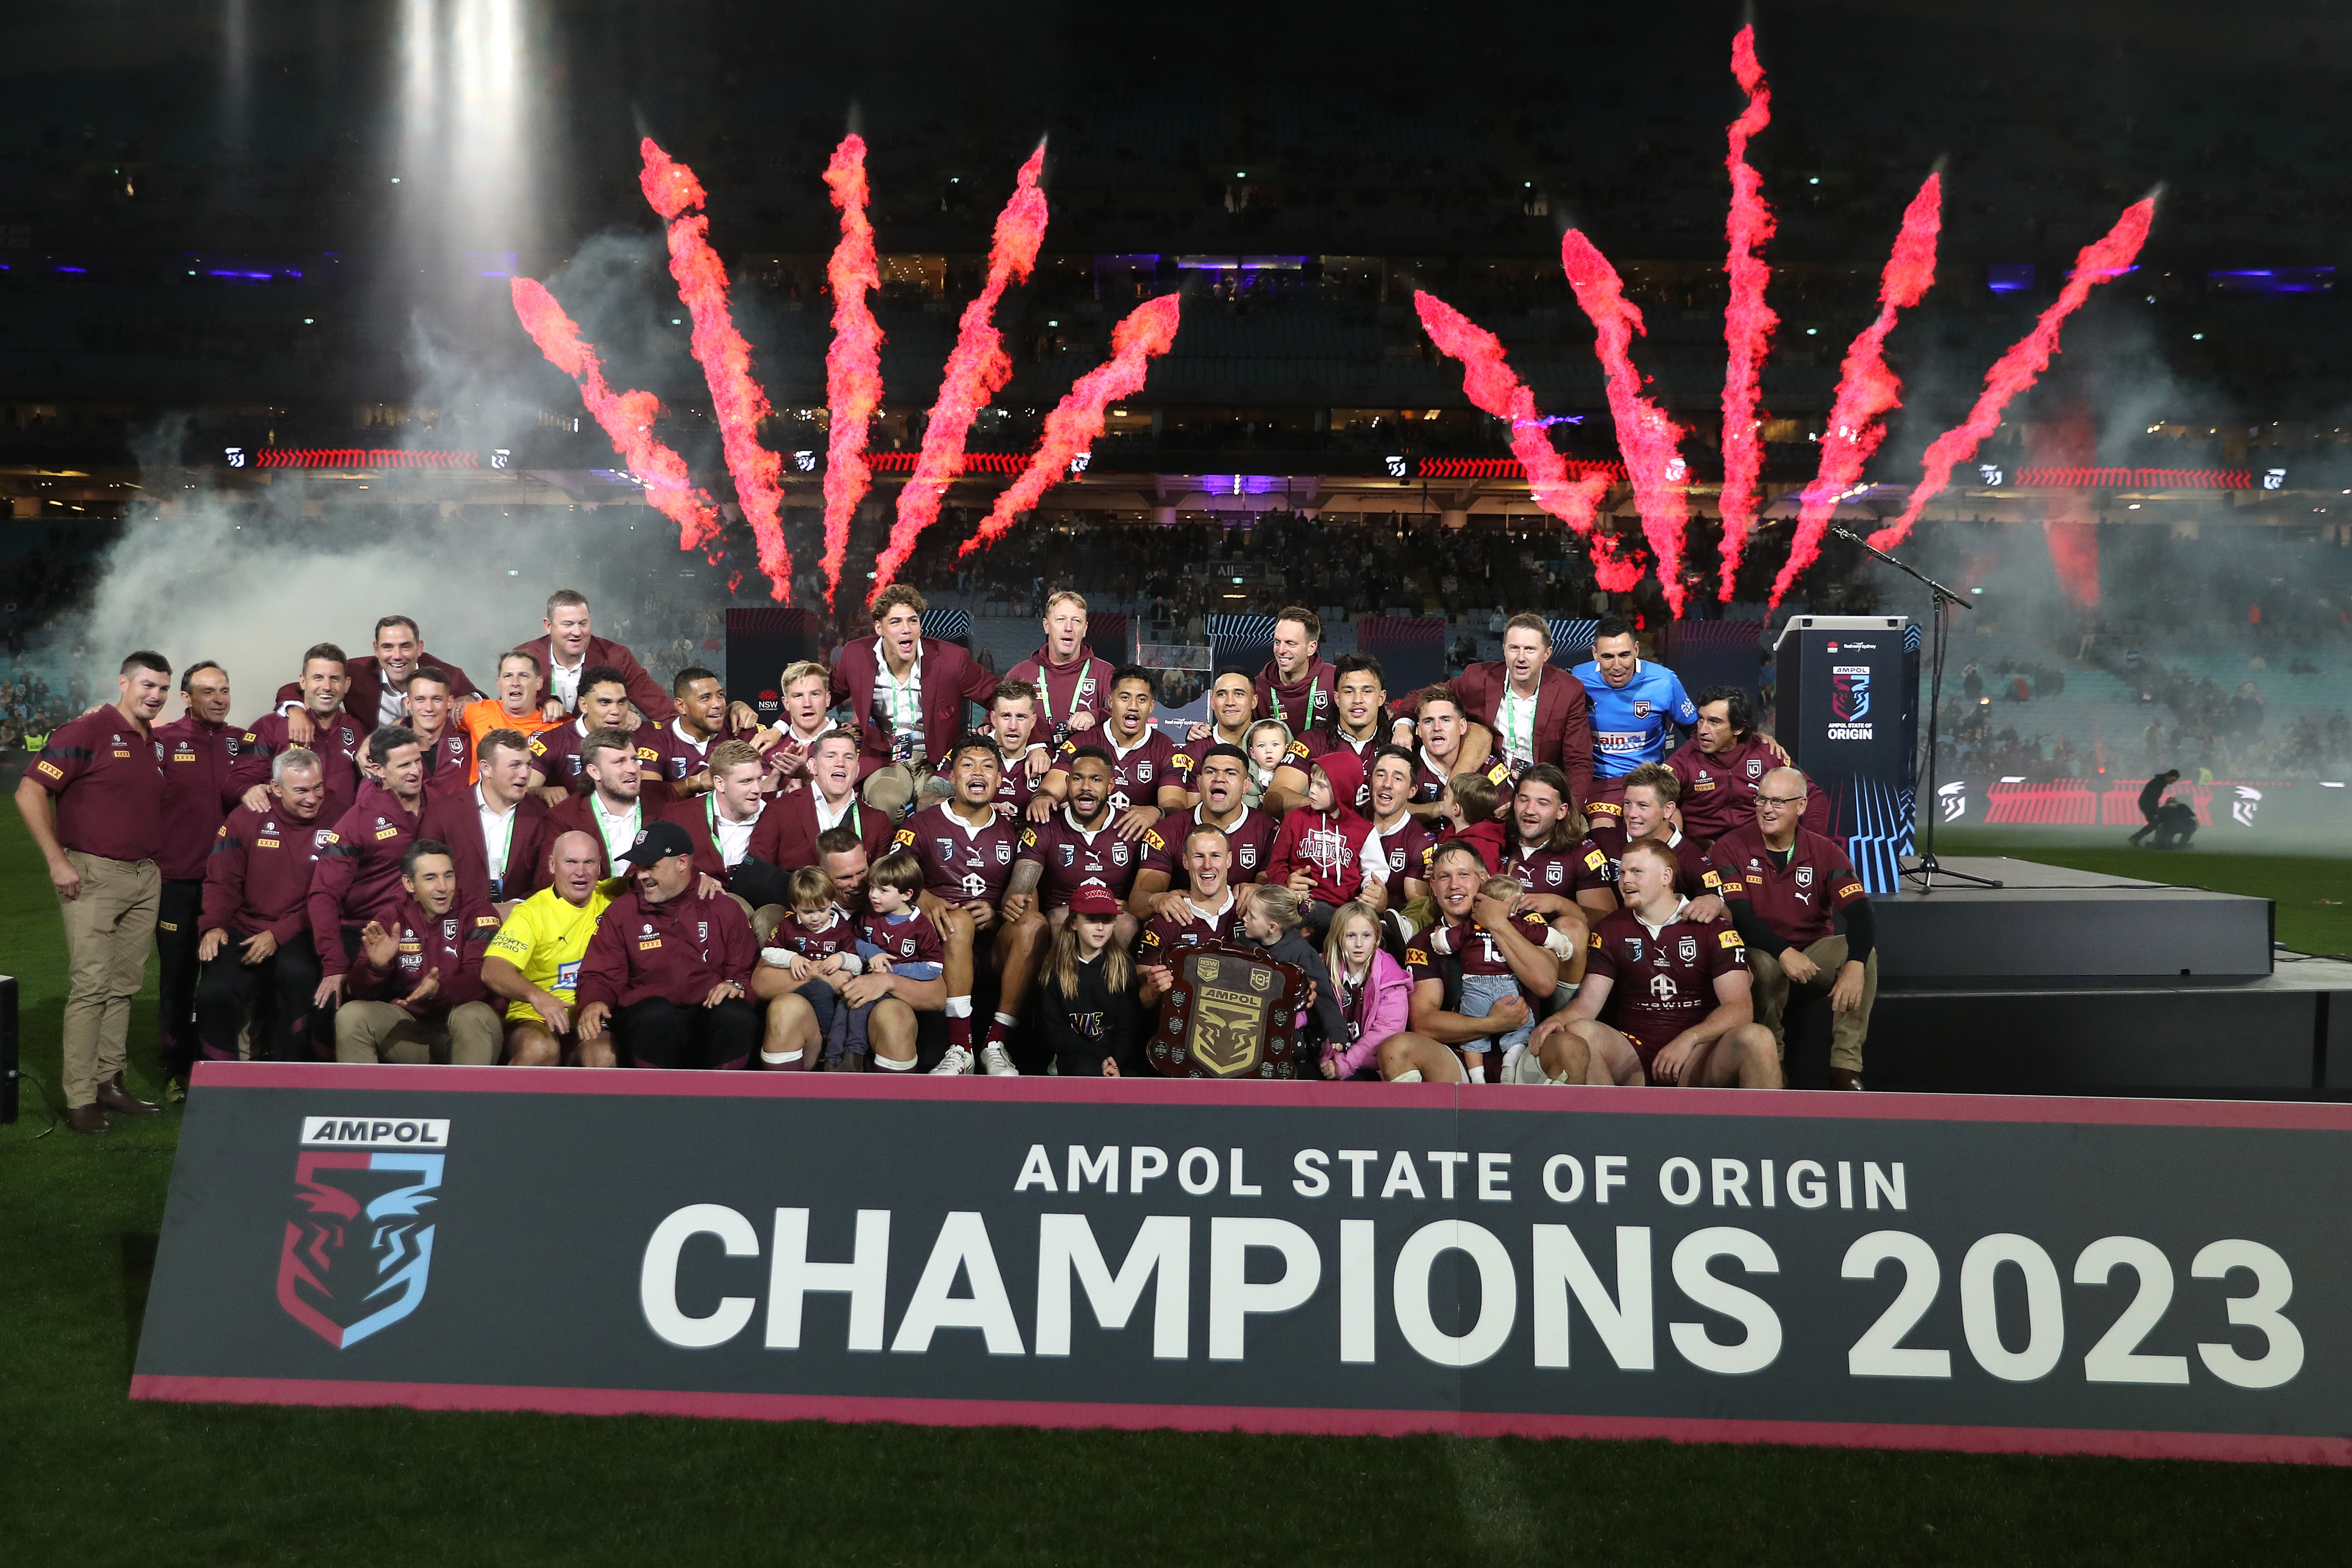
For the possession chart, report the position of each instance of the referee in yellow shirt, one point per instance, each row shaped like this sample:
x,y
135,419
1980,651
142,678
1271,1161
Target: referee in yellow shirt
x,y
534,960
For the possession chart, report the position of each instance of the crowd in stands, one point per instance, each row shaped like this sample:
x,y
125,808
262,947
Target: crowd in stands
x,y
1526,875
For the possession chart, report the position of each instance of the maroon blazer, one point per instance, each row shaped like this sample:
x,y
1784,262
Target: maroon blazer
x,y
651,699
785,835
366,693
578,816
450,816
1563,735
950,679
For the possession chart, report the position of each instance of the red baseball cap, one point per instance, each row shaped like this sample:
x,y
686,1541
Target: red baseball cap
x,y
1092,899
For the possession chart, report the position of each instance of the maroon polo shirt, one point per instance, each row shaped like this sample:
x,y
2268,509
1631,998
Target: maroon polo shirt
x,y
1162,939
1250,839
1795,899
960,863
1071,858
1566,872
1406,849
199,788
1661,981
107,776
1695,872
1719,793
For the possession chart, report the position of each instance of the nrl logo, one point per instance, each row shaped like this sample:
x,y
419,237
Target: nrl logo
x,y
356,1259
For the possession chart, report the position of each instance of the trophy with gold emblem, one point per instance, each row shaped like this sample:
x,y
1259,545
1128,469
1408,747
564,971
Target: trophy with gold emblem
x,y
1233,1013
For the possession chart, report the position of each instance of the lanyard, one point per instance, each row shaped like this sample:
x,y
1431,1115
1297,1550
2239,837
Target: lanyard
x,y
612,850
1046,689
816,809
1314,702
711,812
1519,746
498,858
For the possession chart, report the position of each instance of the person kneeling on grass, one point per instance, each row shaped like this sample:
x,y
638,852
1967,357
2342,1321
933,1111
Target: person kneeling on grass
x,y
1374,992
1675,992
1089,1005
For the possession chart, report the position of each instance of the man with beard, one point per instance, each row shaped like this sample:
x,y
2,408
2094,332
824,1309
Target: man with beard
x,y
668,974
336,738
1233,709
1223,778
446,748
788,829
1534,712
1294,686
1637,709
1072,685
791,1037
1145,783
360,863
1724,762
1476,935
612,810
1676,990
1647,797
378,694
1205,911
1566,875
1360,722
534,960
971,888
257,919
93,801
568,649
199,751
416,989
602,700
905,694
495,831
675,757
1079,844
1450,744
515,708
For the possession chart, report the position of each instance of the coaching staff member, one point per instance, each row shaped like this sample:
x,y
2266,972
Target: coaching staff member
x,y
1537,712
1781,880
905,694
199,753
670,974
360,861
257,916
93,801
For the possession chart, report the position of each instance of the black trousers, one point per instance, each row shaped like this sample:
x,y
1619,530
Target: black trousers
x,y
659,1033
274,994
177,916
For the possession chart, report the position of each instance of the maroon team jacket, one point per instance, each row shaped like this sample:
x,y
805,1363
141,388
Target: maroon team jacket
x,y
451,946
366,693
258,876
199,788
358,870
950,679
676,951
651,699
452,817
1563,731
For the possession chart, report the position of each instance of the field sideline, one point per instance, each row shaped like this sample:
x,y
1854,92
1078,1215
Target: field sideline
x,y
87,1477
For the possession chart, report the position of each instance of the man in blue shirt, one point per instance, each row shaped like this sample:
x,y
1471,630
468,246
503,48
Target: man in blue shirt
x,y
1638,712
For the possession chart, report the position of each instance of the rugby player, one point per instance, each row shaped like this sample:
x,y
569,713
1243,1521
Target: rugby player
x,y
1233,709
967,847
1724,762
1646,810
1144,776
1224,777
1480,936
1359,722
602,700
378,694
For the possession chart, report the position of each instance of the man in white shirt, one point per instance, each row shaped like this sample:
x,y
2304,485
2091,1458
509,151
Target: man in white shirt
x,y
610,812
496,831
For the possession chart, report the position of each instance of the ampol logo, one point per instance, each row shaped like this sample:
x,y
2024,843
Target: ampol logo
x,y
357,1259
1850,693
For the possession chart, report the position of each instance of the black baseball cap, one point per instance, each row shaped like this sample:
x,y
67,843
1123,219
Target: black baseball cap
x,y
657,841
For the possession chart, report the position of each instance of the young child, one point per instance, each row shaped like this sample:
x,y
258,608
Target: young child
x,y
1318,852
1472,809
1270,919
1482,993
818,947
893,938
1088,992
1268,742
1374,992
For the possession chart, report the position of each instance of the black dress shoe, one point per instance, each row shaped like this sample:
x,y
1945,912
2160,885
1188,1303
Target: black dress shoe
x,y
1844,1078
88,1119
112,1096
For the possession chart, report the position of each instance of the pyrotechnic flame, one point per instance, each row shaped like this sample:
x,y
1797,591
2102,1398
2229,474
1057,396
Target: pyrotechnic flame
x,y
976,369
1748,321
853,365
2017,370
1649,440
627,417
1867,391
1489,382
736,399
1077,419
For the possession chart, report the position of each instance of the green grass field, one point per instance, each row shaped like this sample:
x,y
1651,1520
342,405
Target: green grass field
x,y
87,1477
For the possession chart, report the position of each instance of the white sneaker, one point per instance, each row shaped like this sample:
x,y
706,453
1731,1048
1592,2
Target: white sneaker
x,y
1522,1066
997,1064
956,1062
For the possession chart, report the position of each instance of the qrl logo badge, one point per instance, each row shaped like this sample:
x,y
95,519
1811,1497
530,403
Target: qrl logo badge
x,y
1850,693
356,1259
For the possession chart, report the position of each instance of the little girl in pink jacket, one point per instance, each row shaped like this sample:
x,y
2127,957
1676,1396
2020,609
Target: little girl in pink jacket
x,y
1375,992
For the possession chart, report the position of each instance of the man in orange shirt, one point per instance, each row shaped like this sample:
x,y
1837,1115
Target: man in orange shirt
x,y
517,706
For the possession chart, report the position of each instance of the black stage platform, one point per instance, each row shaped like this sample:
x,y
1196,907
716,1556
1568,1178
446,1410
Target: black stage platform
x,y
2065,982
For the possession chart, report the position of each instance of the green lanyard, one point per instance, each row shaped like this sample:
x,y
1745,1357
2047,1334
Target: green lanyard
x,y
506,845
1046,689
1522,746
613,852
1314,702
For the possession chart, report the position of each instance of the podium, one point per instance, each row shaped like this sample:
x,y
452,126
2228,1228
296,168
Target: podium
x,y
1847,701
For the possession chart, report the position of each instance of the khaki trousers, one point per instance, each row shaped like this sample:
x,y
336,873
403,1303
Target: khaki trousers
x,y
109,929
1847,1030
469,1034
